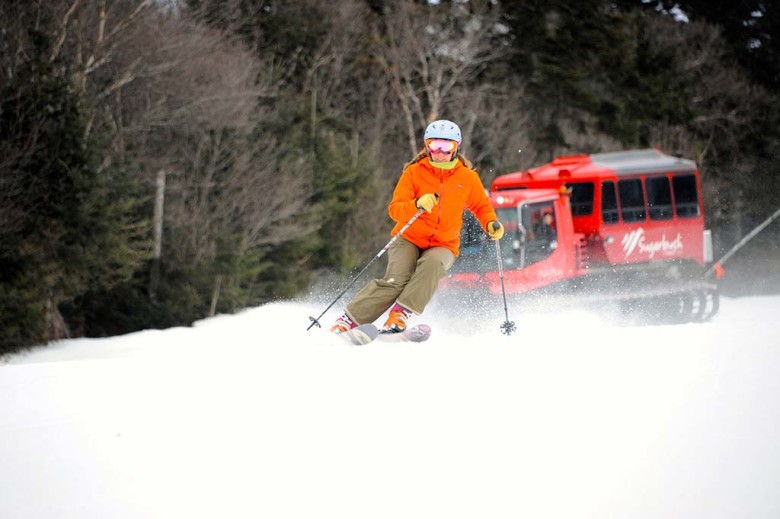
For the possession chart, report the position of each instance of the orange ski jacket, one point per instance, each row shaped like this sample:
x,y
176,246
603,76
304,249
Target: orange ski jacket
x,y
458,188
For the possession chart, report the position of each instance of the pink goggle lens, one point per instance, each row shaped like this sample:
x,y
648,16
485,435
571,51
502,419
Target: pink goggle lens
x,y
441,145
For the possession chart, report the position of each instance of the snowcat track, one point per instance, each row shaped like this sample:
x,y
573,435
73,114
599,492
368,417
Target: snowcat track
x,y
688,302
687,306
681,302
658,303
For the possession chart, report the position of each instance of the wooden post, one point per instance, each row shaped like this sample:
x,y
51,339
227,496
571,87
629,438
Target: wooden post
x,y
159,202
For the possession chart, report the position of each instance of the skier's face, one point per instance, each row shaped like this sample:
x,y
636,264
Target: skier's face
x,y
441,150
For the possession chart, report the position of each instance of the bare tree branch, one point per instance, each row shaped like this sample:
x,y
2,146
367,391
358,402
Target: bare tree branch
x,y
428,57
64,30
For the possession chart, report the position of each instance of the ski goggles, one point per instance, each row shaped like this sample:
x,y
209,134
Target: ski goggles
x,y
441,145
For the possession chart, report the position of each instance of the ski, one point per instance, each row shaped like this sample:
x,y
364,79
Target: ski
x,y
367,333
361,335
418,333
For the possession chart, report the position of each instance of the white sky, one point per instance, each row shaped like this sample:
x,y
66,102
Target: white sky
x,y
252,416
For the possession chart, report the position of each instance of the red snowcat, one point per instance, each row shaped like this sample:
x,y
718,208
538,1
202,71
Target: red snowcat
x,y
624,228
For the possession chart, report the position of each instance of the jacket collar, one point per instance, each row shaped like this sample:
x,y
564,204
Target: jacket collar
x,y
426,163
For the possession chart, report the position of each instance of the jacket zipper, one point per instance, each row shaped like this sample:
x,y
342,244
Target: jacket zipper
x,y
438,215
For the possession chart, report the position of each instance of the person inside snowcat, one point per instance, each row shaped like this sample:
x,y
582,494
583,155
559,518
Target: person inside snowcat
x,y
544,230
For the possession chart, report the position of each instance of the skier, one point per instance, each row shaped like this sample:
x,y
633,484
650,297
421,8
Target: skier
x,y
441,182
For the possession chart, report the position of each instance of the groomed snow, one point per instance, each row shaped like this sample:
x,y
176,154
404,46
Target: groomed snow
x,y
250,415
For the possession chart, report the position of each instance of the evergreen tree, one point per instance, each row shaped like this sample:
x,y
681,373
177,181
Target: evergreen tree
x,y
586,61
69,225
751,28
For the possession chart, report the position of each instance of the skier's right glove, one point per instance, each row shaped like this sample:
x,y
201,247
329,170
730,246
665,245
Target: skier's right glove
x,y
427,201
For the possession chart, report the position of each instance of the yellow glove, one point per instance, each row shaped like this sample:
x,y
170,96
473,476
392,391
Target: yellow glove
x,y
427,201
495,230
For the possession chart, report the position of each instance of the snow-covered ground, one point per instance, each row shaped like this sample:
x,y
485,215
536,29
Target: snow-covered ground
x,y
251,415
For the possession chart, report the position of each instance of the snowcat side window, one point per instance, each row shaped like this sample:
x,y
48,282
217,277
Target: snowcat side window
x,y
686,196
632,200
512,252
581,200
609,207
659,198
473,247
472,235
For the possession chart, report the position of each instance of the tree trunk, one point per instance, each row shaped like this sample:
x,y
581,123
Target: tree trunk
x,y
56,328
215,296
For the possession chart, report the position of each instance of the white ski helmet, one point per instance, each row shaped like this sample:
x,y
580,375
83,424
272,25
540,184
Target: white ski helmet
x,y
443,129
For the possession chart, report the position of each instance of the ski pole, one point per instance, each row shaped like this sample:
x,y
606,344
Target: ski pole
x,y
507,327
379,254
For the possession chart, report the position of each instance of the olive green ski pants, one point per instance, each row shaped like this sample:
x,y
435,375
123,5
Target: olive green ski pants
x,y
411,279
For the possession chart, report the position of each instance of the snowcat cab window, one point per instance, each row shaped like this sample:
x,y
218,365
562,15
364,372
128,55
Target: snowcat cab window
x,y
686,196
581,199
632,200
538,220
659,198
609,207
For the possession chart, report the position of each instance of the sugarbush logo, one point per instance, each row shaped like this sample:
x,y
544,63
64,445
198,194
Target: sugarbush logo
x,y
635,240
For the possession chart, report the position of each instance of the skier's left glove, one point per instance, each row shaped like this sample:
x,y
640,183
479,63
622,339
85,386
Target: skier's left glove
x,y
495,230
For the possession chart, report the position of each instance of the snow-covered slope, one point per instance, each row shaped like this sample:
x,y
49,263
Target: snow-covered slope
x,y
251,415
